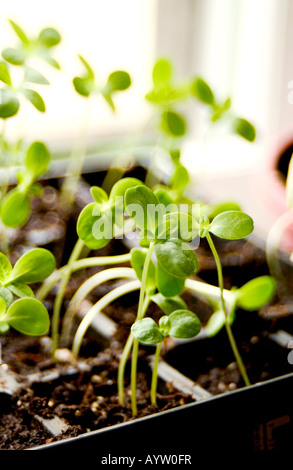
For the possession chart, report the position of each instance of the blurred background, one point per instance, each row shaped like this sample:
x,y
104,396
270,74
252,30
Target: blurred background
x,y
242,48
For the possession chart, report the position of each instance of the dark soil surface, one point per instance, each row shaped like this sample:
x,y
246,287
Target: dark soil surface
x,y
83,395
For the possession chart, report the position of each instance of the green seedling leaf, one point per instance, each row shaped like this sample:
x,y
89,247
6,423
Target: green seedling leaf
x,y
47,58
146,331
118,81
34,266
28,316
175,155
180,178
49,37
173,124
212,210
137,261
95,227
6,295
144,208
164,198
178,225
34,76
244,129
183,324
90,72
167,284
201,90
82,86
15,208
162,72
177,258
220,110
37,159
215,323
256,293
20,289
4,74
9,104
232,225
120,187
20,33
35,98
169,304
36,189
99,195
5,268
117,198
13,56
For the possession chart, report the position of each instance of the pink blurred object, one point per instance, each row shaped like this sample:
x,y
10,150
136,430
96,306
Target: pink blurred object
x,y
270,190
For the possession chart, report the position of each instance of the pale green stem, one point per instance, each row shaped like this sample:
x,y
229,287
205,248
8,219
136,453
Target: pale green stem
x,y
140,315
123,360
49,283
208,291
155,375
223,305
60,294
97,308
83,291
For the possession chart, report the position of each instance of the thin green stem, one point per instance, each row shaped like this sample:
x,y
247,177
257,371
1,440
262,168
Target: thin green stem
x,y
124,357
140,314
133,376
223,305
155,375
83,291
49,283
60,294
97,308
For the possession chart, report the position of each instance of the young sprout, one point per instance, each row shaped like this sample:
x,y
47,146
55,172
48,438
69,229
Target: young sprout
x,y
230,225
15,206
163,235
20,56
167,96
95,228
218,111
178,324
86,85
27,315
33,266
96,222
40,46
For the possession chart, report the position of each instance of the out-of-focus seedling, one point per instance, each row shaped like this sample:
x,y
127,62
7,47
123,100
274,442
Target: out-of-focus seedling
x,y
181,324
15,205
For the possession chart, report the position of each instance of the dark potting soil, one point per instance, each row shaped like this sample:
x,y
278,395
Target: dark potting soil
x,y
84,395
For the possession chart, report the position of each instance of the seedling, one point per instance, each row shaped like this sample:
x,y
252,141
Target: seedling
x,y
20,56
34,266
15,206
169,94
231,225
164,232
181,324
86,85
164,263
27,314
